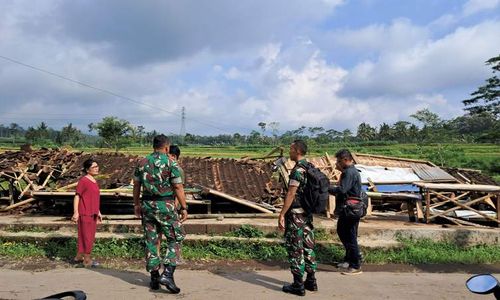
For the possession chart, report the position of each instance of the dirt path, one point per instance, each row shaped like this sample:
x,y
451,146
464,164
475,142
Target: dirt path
x,y
232,284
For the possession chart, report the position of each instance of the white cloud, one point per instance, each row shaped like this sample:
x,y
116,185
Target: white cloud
x,y
400,34
234,66
453,61
475,6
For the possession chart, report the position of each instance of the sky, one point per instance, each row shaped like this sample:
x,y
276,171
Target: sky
x,y
233,64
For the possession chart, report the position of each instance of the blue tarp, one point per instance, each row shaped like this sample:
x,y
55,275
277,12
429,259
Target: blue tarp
x,y
394,188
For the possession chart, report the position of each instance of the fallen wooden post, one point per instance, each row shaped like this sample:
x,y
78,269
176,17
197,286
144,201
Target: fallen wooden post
x,y
19,204
239,201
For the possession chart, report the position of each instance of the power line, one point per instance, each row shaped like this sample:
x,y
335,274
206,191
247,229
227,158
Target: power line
x,y
105,91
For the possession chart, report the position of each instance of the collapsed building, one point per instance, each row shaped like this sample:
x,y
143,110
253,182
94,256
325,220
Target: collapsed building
x,y
221,185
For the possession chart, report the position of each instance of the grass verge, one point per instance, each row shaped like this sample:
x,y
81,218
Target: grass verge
x,y
410,252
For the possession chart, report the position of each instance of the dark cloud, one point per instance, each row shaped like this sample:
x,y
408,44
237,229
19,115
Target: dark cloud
x,y
132,33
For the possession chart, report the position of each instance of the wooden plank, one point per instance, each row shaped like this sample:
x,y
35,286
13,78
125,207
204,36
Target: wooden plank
x,y
2,174
498,209
30,184
239,201
47,179
19,204
458,187
467,207
453,220
372,186
490,203
463,222
446,201
284,175
427,205
331,164
420,209
458,207
71,185
369,209
11,191
411,210
330,208
355,158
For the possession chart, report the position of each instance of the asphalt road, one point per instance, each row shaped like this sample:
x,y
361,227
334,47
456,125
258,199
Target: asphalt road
x,y
233,284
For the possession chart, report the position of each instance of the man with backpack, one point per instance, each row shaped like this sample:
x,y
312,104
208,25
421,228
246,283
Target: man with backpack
x,y
296,221
352,207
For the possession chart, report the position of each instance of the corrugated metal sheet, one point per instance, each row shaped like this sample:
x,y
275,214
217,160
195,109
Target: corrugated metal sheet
x,y
386,161
377,174
432,174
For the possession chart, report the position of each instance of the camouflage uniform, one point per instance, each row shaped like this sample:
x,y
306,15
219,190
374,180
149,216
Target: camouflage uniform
x,y
299,230
157,173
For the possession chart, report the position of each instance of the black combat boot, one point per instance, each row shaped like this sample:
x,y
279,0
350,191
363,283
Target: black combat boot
x,y
296,288
167,279
155,280
310,283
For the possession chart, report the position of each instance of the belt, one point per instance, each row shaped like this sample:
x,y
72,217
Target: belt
x,y
156,198
299,210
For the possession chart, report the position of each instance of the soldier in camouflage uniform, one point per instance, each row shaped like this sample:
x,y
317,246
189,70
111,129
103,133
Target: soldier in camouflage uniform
x,y
299,230
160,180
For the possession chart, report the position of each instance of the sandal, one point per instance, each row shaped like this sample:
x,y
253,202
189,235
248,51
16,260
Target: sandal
x,y
93,264
77,261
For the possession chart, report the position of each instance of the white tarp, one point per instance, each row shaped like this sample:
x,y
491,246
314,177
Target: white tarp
x,y
387,175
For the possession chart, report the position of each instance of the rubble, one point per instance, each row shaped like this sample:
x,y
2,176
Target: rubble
x,y
50,172
242,185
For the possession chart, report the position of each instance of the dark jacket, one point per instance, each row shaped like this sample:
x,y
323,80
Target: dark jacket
x,y
350,185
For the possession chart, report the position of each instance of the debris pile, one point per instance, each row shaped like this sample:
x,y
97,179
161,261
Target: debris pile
x,y
50,172
425,191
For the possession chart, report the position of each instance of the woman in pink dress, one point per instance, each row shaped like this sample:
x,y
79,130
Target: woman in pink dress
x,y
86,212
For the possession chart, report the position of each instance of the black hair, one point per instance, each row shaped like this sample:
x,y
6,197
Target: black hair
x,y
175,151
160,141
344,154
300,146
87,164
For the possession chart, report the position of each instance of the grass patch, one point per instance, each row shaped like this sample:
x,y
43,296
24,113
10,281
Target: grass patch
x,y
321,234
25,229
246,231
411,251
425,251
234,250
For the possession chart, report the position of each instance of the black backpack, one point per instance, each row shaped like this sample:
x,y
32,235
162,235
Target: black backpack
x,y
315,192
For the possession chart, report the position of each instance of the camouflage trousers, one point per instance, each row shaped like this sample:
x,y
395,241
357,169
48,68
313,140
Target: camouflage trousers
x,y
161,217
299,243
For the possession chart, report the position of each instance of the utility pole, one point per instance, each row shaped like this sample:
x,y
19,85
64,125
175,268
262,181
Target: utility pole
x,y
182,133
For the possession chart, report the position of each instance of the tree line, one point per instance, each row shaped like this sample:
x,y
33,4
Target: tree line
x,y
112,132
479,124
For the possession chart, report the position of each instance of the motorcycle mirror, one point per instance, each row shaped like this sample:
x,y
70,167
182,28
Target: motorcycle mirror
x,y
482,284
